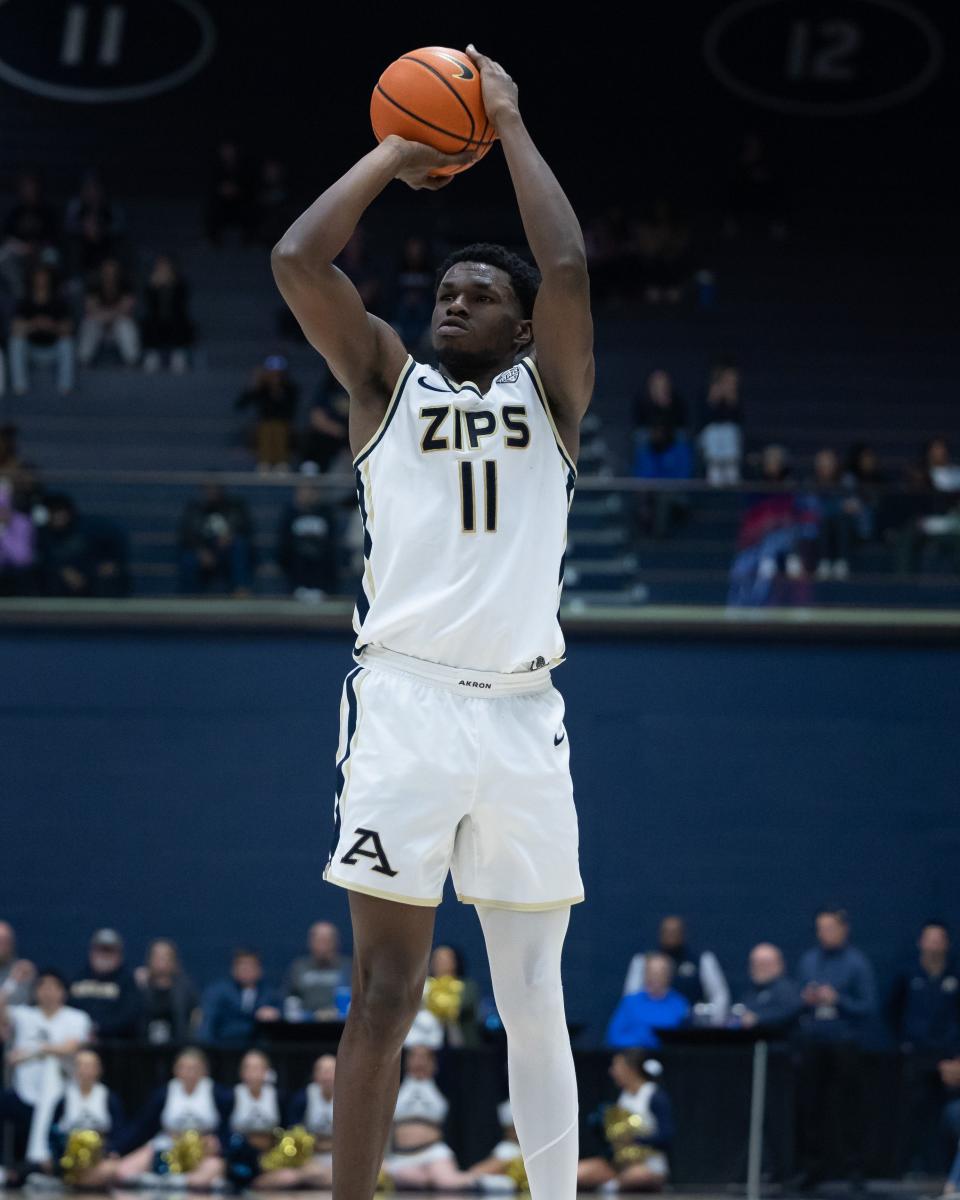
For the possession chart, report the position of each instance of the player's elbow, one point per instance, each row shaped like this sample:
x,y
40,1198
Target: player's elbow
x,y
568,269
286,256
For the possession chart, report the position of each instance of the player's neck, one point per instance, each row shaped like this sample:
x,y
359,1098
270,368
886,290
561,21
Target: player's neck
x,y
482,375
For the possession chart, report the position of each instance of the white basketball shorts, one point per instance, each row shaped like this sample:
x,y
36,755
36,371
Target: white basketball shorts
x,y
441,769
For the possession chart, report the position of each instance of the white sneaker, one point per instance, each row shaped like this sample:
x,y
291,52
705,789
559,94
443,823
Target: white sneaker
x,y
179,362
151,362
841,570
501,1184
794,566
824,569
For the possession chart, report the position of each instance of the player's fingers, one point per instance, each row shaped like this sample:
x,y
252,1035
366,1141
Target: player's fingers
x,y
480,59
436,182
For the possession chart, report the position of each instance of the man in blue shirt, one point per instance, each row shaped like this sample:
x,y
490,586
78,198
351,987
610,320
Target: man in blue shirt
x,y
232,1007
640,1014
772,1001
839,997
924,1014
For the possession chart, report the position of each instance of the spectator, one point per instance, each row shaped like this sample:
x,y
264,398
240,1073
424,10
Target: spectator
x,y
230,199
419,1157
272,201
924,1014
105,988
634,1155
720,440
273,394
256,1112
327,433
775,531
452,999
189,1103
659,404
29,234
864,478
167,328
216,543
664,454
755,191
416,291
86,1105
307,544
661,242
93,227
652,1006
17,546
169,997
16,974
698,977
314,979
937,525
313,1109
43,1037
67,550
506,1155
772,1001
41,334
232,1007
108,316
837,514
839,998
354,262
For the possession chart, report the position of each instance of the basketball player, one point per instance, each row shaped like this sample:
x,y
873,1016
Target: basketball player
x,y
453,753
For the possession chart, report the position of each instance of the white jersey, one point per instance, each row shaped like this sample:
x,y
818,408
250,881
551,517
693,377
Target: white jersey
x,y
464,499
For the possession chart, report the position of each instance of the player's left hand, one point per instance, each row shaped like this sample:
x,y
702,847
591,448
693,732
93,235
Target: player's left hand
x,y
500,93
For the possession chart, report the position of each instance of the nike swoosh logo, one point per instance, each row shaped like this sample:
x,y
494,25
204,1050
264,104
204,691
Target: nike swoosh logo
x,y
462,72
423,383
558,740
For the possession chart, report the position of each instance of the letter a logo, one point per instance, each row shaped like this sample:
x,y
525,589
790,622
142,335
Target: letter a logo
x,y
368,835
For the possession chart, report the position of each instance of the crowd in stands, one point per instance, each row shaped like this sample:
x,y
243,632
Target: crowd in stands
x,y
829,1008
67,296
804,527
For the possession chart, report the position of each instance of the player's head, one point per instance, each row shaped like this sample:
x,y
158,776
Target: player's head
x,y
483,314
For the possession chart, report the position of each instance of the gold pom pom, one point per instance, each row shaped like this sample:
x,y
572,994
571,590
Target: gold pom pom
x,y
622,1129
84,1149
443,997
384,1182
518,1173
186,1153
291,1148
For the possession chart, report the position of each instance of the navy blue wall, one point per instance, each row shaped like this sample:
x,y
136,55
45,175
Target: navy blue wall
x,y
182,785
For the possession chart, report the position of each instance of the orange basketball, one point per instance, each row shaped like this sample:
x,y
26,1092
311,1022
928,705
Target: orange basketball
x,y
433,95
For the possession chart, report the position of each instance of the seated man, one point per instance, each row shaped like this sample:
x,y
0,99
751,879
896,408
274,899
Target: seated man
x,y
639,1014
106,990
637,1131
232,1007
314,979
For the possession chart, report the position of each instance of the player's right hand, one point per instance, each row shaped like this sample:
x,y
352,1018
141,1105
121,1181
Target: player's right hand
x,y
416,161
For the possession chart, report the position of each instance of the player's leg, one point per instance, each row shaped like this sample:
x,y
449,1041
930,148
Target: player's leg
x,y
391,951
524,949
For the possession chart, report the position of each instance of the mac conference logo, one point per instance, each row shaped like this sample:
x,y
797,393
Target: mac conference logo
x,y
103,51
832,58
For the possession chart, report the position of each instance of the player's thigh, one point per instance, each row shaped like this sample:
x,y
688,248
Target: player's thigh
x,y
521,845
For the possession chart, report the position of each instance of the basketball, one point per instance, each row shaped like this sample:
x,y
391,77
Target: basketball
x,y
433,96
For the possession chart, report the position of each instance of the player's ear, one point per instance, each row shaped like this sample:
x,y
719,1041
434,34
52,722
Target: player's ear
x,y
524,334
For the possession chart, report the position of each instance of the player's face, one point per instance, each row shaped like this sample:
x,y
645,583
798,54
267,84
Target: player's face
x,y
477,320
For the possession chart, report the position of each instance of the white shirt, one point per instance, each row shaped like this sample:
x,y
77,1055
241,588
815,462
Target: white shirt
x,y
319,1115
254,1114
31,1029
421,1100
464,499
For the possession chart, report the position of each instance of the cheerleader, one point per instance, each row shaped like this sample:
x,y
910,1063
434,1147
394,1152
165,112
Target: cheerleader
x,y
420,1158
313,1109
86,1107
636,1159
506,1156
257,1113
191,1103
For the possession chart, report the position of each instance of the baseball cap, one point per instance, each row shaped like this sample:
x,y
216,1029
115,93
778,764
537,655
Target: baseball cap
x,y
107,938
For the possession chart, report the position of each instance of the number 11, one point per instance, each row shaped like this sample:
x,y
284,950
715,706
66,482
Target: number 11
x,y
468,499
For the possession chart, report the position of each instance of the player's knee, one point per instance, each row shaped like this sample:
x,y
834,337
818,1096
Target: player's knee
x,y
387,1003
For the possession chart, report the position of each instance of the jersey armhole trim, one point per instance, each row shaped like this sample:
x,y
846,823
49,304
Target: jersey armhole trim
x,y
531,369
391,409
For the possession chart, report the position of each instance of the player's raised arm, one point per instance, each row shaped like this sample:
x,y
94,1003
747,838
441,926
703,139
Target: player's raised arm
x,y
562,324
362,351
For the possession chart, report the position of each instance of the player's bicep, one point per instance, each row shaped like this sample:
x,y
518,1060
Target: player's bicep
x,y
563,337
357,346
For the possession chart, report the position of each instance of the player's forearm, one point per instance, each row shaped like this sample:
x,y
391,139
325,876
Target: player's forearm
x,y
552,229
318,235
